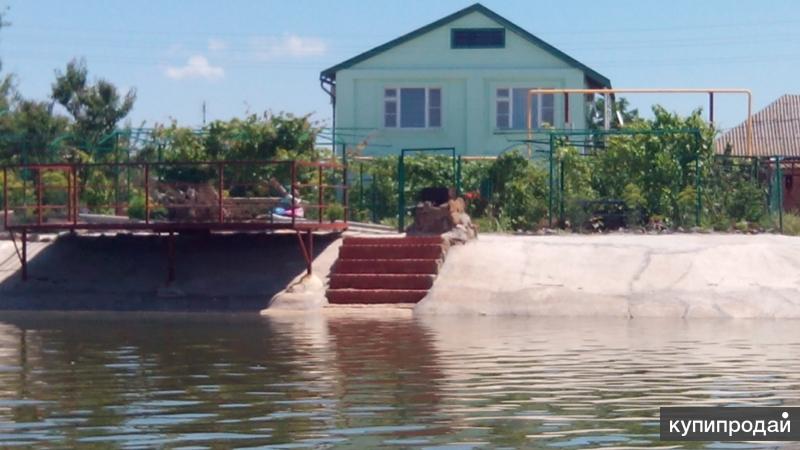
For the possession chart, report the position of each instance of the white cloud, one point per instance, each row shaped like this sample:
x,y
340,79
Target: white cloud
x,y
196,67
288,45
216,45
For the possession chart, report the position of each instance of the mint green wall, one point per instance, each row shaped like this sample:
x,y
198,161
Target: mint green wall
x,y
468,79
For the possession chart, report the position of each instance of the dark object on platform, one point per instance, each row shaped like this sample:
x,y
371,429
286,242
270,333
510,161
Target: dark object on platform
x,y
605,214
435,195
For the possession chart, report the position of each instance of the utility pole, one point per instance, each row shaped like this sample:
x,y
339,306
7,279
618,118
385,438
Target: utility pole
x,y
204,113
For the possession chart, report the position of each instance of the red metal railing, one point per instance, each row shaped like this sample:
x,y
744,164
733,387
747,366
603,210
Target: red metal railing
x,y
225,194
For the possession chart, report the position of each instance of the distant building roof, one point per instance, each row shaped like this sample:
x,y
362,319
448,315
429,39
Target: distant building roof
x,y
776,130
595,79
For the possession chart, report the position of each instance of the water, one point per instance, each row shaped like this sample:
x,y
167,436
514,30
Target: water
x,y
200,381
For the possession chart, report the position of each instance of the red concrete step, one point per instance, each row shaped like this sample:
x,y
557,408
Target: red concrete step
x,y
386,251
361,240
381,281
362,296
382,266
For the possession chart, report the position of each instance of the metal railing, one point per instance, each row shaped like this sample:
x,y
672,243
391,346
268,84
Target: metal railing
x,y
226,194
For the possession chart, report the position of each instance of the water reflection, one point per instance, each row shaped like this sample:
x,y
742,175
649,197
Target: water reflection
x,y
228,381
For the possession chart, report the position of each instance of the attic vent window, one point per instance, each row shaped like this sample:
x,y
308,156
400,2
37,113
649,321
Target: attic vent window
x,y
478,38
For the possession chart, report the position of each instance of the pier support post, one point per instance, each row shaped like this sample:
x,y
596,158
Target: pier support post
x,y
310,247
24,258
306,248
170,257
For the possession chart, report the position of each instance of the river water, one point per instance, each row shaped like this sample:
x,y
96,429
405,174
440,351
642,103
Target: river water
x,y
238,381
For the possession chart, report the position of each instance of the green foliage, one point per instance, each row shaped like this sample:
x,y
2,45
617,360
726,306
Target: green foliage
x,y
98,192
334,212
137,207
54,188
30,130
791,224
96,108
520,190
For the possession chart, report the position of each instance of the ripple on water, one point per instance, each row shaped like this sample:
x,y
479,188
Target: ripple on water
x,y
243,382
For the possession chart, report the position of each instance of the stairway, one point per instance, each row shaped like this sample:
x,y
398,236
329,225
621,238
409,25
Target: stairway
x,y
385,269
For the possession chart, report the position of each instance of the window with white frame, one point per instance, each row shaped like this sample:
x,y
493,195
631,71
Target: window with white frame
x,y
412,107
511,105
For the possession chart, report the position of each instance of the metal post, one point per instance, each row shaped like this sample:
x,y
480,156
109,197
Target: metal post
x,y
75,198
458,175
779,173
361,186
711,108
171,257
221,194
566,110
319,194
5,197
293,189
698,193
345,185
607,112
146,193
561,192
24,259
374,196
39,196
698,187
550,190
310,249
69,196
401,195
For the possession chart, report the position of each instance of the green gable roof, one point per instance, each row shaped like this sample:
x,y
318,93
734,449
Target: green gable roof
x,y
595,79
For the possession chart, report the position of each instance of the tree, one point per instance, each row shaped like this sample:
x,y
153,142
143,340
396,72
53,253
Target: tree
x,y
33,128
96,108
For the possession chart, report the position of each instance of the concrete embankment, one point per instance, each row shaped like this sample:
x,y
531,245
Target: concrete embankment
x,y
214,272
682,276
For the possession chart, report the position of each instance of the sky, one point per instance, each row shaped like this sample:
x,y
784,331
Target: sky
x,y
250,56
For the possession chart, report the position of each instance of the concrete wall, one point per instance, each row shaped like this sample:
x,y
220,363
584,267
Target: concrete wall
x,y
621,275
468,79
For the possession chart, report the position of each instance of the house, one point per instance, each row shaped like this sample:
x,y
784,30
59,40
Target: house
x,y
461,82
776,132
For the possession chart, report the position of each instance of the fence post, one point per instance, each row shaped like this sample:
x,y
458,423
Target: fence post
x,y
345,184
550,182
697,182
39,195
5,197
779,184
361,185
458,176
293,188
374,197
401,195
561,183
221,193
74,193
146,193
319,193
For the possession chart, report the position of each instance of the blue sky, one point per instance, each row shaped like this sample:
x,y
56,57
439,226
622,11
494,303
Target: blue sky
x,y
241,56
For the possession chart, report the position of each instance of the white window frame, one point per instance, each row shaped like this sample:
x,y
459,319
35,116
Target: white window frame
x,y
398,111
510,101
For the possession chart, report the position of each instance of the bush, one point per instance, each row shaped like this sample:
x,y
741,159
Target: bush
x,y
520,191
791,224
334,212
